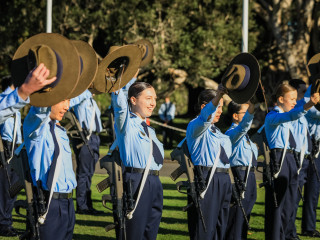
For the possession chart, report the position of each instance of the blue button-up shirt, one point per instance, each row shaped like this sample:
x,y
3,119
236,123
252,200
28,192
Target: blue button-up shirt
x,y
202,143
300,128
313,117
167,111
277,123
10,103
84,106
133,142
40,148
7,127
242,150
125,89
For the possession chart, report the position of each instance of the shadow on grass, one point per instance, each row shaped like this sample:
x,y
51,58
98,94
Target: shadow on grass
x,y
183,197
171,220
173,208
169,186
77,236
89,223
173,232
254,214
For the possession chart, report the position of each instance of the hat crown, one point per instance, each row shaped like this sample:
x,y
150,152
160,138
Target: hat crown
x,y
43,54
237,77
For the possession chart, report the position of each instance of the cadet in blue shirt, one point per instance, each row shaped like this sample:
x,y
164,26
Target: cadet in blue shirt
x,y
209,147
11,101
87,112
304,147
166,113
46,142
312,185
243,161
279,128
135,139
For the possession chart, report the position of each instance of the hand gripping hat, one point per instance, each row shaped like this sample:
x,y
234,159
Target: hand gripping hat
x,y
146,48
313,69
117,68
88,67
59,55
242,77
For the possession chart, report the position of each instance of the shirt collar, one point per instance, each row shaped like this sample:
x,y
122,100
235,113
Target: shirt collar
x,y
8,90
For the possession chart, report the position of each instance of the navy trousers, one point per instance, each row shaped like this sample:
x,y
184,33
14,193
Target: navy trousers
x,y
237,228
302,179
286,186
215,209
311,197
146,218
6,202
85,170
60,221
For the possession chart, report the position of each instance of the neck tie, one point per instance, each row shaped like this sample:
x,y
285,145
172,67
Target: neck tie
x,y
223,156
292,142
309,142
254,160
156,152
55,155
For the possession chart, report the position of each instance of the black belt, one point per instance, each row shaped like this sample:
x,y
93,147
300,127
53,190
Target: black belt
x,y
218,170
244,168
141,170
281,150
57,195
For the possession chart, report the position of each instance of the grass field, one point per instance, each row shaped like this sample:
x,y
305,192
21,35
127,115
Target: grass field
x,y
174,221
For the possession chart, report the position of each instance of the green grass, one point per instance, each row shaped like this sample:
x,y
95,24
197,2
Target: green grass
x,y
174,221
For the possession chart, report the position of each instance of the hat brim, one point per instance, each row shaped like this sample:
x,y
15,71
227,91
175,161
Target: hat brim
x,y
314,90
70,74
133,55
244,95
89,67
314,60
149,46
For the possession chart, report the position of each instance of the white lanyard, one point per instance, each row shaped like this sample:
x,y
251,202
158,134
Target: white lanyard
x,y
42,218
14,136
92,119
283,154
212,172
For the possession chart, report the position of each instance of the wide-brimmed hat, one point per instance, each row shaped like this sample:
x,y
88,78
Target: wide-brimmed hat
x,y
313,68
117,68
242,77
88,69
59,55
146,48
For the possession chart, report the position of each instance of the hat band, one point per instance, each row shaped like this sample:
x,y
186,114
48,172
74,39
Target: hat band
x,y
146,54
246,78
59,73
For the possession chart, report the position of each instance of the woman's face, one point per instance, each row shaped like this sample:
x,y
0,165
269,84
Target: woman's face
x,y
288,101
59,109
218,112
237,117
144,104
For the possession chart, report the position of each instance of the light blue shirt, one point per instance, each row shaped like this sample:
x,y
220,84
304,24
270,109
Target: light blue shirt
x,y
40,148
313,117
10,103
202,143
133,142
277,123
125,89
7,127
242,150
170,108
84,106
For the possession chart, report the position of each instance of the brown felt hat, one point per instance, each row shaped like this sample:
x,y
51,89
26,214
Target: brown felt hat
x,y
241,78
88,69
146,48
117,68
59,55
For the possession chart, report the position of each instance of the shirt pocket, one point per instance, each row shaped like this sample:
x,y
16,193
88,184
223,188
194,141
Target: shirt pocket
x,y
143,136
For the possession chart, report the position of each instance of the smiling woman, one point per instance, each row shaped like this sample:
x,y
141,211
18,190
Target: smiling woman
x,y
142,156
58,110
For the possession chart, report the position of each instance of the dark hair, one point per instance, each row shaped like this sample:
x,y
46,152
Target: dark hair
x,y
6,82
205,97
296,83
136,89
233,107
